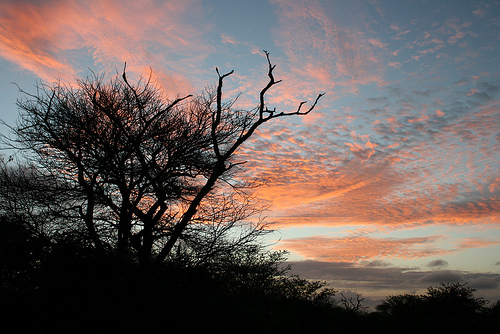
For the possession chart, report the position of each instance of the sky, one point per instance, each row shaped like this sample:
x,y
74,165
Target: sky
x,y
391,185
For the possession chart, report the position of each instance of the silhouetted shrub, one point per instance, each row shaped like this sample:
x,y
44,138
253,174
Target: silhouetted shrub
x,y
73,290
450,307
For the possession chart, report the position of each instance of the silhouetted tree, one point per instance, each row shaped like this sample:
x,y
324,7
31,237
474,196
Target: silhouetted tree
x,y
45,206
493,314
351,304
449,307
454,299
401,305
142,175
21,255
61,289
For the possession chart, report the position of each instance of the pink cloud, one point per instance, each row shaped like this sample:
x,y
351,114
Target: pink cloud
x,y
452,27
356,249
476,243
27,37
361,248
376,42
315,181
437,41
316,176
322,51
228,40
440,113
431,50
479,12
401,33
422,118
47,37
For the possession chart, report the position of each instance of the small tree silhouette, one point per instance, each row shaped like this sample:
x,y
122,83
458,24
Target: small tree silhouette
x,y
352,304
449,307
401,305
454,299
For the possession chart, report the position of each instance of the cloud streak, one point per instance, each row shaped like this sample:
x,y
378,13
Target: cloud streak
x,y
355,249
322,53
428,163
50,37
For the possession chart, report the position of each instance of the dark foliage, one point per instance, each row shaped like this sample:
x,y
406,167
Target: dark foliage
x,y
65,287
450,307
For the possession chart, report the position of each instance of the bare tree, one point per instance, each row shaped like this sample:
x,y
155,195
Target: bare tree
x,y
144,174
352,304
38,199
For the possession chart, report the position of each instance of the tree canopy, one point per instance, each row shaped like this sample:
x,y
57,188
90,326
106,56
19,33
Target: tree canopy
x,y
140,174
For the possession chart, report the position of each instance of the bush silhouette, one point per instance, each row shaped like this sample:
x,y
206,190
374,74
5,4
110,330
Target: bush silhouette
x,y
447,307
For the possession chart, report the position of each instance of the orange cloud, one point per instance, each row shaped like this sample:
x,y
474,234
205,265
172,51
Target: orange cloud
x,y
27,37
313,179
49,37
355,249
360,248
476,243
440,113
226,39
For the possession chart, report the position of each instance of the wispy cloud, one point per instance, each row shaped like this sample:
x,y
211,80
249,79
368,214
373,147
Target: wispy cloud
x,y
228,40
423,161
50,37
323,52
355,249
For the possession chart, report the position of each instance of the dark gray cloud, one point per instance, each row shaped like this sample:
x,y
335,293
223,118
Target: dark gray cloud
x,y
437,263
378,100
377,264
489,87
484,282
389,280
442,276
461,82
482,96
423,93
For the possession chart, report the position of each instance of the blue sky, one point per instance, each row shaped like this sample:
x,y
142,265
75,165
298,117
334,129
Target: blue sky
x,y
391,185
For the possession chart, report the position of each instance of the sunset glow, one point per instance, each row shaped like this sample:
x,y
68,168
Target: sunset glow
x,y
391,184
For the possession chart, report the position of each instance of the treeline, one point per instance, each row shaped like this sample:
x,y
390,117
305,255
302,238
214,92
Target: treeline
x,y
63,286
449,307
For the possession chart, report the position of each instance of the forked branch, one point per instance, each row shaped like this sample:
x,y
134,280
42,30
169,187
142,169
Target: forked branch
x,y
223,159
